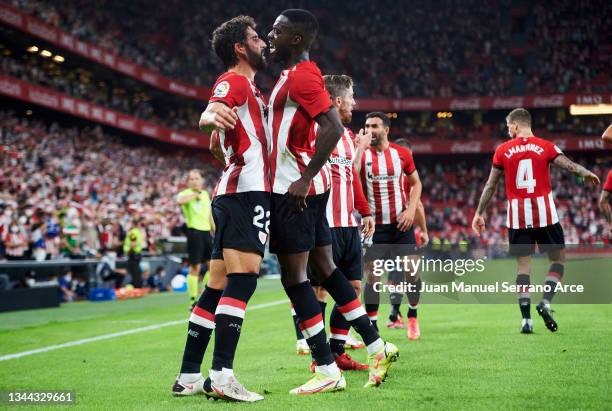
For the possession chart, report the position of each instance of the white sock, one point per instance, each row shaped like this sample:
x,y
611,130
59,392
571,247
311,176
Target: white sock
x,y
221,377
330,370
190,378
375,346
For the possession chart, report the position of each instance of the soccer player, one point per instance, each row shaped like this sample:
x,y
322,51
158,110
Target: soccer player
x,y
422,239
532,216
195,205
299,232
383,168
345,195
241,210
604,200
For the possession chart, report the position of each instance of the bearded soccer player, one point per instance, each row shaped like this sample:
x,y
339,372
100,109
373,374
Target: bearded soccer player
x,y
345,196
383,168
606,193
241,209
532,216
299,232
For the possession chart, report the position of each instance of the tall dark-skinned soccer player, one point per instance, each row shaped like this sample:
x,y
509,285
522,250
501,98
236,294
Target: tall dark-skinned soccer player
x,y
299,231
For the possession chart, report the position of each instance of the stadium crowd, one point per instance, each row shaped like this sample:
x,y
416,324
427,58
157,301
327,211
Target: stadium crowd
x,y
116,93
72,192
517,48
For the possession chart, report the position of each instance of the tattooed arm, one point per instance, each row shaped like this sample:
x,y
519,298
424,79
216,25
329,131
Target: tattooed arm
x,y
576,169
478,223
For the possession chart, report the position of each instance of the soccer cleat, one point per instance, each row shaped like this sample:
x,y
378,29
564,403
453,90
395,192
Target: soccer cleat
x,y
526,326
413,333
380,363
302,347
397,324
183,389
320,383
230,391
353,343
346,363
546,314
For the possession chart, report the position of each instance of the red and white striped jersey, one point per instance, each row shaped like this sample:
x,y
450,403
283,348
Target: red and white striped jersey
x,y
246,147
345,193
608,183
525,162
382,175
297,98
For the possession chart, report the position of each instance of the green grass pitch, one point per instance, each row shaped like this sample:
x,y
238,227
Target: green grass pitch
x,y
469,357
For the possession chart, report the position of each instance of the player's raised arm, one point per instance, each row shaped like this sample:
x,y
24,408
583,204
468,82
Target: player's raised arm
x,y
478,223
218,116
362,141
565,163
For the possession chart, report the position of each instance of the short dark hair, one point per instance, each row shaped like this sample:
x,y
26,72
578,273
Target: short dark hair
x,y
306,21
380,115
519,115
229,33
337,84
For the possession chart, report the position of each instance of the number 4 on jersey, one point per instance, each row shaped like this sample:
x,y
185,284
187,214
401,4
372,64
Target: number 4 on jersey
x,y
524,176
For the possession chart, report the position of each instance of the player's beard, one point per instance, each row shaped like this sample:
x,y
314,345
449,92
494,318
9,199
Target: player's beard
x,y
375,139
257,61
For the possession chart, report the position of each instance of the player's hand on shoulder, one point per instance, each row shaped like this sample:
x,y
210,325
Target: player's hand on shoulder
x,y
405,220
478,224
369,226
218,116
298,190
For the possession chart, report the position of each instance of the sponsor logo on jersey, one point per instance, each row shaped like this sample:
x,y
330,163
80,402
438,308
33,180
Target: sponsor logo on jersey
x,y
381,177
340,160
222,89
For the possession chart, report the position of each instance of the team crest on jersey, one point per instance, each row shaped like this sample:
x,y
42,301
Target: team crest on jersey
x,y
222,89
263,237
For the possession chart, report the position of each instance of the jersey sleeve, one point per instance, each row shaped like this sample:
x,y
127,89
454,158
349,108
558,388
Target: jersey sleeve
x,y
361,204
307,88
230,90
497,159
408,166
553,151
608,185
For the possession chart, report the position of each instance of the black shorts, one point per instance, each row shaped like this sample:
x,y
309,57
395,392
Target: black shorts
x,y
296,232
523,240
390,234
241,221
199,246
346,248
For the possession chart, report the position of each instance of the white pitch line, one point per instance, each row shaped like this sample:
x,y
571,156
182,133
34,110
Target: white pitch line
x,y
119,334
